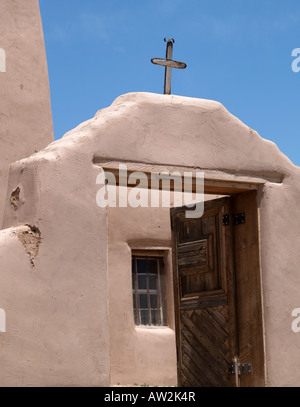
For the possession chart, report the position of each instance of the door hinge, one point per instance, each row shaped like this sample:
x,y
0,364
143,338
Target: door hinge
x,y
243,368
239,218
225,219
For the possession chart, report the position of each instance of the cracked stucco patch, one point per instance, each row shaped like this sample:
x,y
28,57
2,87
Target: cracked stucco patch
x,y
15,198
30,237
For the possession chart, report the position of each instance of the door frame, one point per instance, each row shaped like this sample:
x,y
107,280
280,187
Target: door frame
x,y
246,253
245,191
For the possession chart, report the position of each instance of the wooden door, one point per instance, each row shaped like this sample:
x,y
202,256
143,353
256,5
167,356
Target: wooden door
x,y
204,282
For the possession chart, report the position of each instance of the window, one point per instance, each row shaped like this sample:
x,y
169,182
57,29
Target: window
x,y
147,287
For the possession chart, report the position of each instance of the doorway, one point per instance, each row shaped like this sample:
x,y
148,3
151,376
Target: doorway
x,y
217,288
217,292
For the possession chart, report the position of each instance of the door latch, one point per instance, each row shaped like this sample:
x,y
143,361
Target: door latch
x,y
242,368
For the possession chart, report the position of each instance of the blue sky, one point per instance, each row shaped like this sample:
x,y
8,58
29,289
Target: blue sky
x,y
238,52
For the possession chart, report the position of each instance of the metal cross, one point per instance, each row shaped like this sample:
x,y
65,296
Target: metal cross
x,y
169,64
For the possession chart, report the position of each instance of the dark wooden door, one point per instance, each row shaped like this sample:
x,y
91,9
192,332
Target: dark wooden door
x,y
204,284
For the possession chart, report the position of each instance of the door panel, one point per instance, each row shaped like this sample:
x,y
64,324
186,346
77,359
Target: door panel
x,y
249,290
205,295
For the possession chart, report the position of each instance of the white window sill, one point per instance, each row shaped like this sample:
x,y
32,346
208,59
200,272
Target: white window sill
x,y
153,329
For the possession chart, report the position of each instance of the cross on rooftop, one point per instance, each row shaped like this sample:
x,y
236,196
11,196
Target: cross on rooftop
x,y
169,64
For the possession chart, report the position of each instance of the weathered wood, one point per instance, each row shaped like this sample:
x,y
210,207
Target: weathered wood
x,y
194,254
216,314
249,304
168,63
182,379
212,336
207,321
214,184
208,360
200,336
205,345
204,301
198,370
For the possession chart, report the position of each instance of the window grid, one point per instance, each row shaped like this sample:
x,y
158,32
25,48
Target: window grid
x,y
147,302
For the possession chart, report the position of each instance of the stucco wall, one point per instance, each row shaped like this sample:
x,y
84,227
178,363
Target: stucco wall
x,y
280,242
68,313
58,195
25,111
138,354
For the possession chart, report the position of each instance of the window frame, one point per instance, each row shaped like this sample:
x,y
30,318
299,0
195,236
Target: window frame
x,y
159,291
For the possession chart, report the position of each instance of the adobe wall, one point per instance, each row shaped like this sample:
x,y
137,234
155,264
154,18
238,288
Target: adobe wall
x,y
139,354
55,300
25,110
58,195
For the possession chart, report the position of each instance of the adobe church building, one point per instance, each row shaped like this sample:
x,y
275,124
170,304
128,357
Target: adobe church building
x,y
103,296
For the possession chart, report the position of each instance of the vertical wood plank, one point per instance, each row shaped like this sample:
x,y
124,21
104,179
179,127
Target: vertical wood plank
x,y
137,306
182,380
249,304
